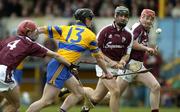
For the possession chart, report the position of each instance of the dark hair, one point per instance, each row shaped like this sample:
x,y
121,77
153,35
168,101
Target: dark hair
x,y
83,13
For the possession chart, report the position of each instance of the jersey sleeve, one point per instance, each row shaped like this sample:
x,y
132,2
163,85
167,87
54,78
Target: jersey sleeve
x,y
136,32
53,31
93,46
101,38
38,50
129,48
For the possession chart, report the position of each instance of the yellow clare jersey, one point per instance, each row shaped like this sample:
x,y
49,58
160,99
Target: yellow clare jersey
x,y
73,40
20,66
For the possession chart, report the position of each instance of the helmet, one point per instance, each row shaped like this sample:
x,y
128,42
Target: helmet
x,y
25,26
83,13
148,12
122,10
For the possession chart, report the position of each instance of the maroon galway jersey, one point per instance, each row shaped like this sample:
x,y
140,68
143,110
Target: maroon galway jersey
x,y
14,49
114,42
141,35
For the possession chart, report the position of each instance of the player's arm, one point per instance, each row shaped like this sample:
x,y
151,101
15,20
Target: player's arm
x,y
72,67
139,46
109,61
126,57
54,32
101,63
99,58
41,30
58,57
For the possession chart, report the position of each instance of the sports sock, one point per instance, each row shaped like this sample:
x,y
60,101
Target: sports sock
x,y
62,110
155,110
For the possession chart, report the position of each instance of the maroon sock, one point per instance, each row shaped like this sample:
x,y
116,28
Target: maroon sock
x,y
155,110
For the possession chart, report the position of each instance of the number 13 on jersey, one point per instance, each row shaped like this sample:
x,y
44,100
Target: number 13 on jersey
x,y
71,38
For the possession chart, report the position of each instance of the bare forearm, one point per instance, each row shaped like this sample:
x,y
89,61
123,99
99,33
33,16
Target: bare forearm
x,y
138,46
125,57
109,61
62,60
58,58
101,63
41,30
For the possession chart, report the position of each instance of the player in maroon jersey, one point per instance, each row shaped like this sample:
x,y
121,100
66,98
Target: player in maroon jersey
x,y
140,46
141,31
12,51
115,42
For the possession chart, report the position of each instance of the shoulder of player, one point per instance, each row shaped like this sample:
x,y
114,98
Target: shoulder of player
x,y
26,40
9,39
136,26
90,32
128,30
106,28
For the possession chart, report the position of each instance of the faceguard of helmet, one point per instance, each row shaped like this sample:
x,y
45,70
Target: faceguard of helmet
x,y
83,13
148,12
25,26
122,10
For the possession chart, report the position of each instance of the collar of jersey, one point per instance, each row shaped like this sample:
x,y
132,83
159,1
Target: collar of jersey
x,y
118,29
24,37
80,24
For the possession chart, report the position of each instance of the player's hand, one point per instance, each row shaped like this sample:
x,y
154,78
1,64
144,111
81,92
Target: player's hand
x,y
151,51
74,69
106,75
118,66
123,63
111,64
156,50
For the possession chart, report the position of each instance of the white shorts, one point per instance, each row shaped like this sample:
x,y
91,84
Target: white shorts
x,y
3,85
129,78
99,71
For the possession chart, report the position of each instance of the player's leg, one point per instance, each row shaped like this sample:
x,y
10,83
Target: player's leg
x,y
57,74
96,95
77,93
99,93
123,84
150,81
49,94
12,97
63,92
112,86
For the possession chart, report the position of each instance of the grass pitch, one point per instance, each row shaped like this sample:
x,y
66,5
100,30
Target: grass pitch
x,y
105,109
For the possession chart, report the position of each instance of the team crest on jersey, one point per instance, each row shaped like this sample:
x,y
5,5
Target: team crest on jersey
x,y
110,36
123,39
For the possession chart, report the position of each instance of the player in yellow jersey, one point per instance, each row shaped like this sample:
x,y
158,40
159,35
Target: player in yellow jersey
x,y
73,41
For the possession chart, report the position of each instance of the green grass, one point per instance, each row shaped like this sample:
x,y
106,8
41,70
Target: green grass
x,y
105,109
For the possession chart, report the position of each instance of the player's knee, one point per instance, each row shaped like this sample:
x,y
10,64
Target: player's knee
x,y
79,96
115,92
96,99
156,87
47,102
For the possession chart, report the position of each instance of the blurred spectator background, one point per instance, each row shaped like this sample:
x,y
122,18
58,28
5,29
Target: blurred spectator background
x,y
166,64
